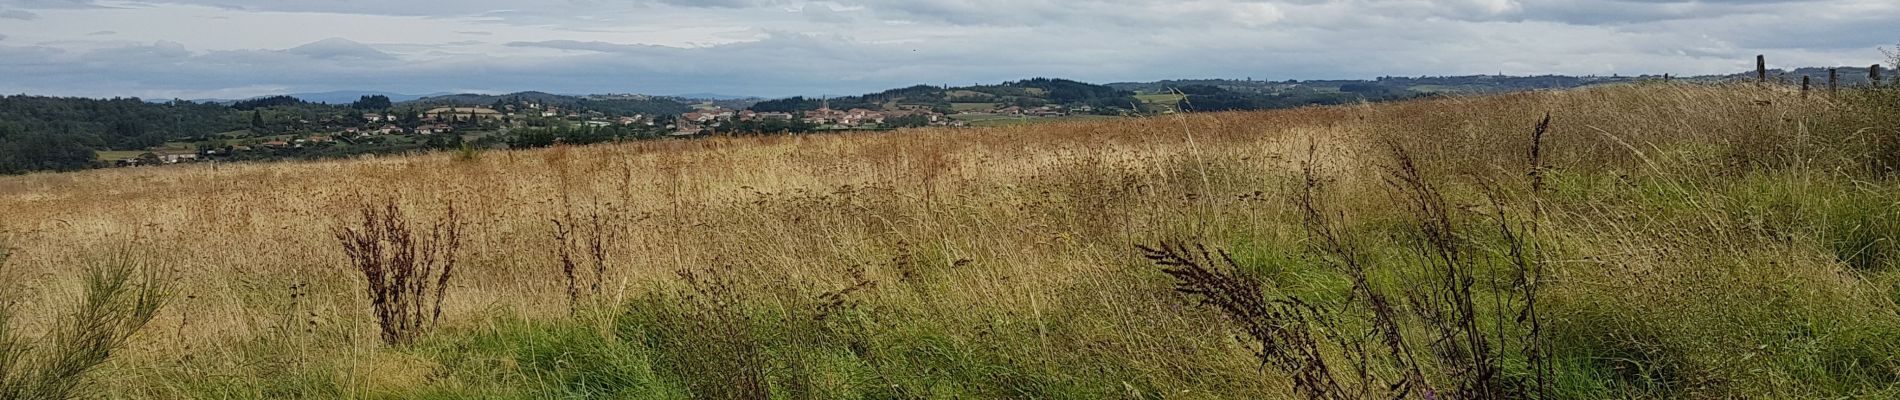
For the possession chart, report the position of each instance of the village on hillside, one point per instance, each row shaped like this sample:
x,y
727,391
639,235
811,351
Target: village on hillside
x,y
449,127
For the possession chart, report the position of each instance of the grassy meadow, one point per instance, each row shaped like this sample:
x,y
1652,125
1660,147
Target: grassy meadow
x,y
1676,241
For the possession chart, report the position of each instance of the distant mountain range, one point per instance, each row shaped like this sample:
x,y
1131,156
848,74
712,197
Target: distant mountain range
x,y
347,96
611,104
716,96
1849,76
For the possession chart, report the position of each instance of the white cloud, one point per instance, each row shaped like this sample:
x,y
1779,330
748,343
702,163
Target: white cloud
x,y
22,15
339,49
782,47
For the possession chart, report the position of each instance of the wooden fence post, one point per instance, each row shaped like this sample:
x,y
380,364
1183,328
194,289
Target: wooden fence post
x,y
1804,86
1833,80
1761,68
1873,75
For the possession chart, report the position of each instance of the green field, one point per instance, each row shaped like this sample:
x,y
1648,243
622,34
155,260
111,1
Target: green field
x,y
1159,98
966,107
114,155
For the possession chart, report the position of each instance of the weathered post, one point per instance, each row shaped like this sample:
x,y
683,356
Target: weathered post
x,y
1761,68
1873,75
1804,86
1833,80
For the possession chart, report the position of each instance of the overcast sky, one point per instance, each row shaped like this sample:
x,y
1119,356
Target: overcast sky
x,y
242,48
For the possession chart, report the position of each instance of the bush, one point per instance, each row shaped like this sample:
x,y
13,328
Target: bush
x,y
121,296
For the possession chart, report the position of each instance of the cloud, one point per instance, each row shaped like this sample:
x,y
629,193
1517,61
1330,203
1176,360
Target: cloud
x,y
102,33
825,14
718,3
339,49
22,15
788,47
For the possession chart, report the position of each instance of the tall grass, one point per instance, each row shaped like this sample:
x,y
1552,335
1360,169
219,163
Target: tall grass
x,y
1656,240
1468,344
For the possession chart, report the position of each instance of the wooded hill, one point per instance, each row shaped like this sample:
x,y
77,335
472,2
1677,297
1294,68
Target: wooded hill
x,y
64,133
1024,93
604,104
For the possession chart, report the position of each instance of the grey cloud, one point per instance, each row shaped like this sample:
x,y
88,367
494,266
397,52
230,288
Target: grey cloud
x,y
495,10
1642,11
102,33
604,47
772,47
825,14
23,15
339,49
53,4
719,3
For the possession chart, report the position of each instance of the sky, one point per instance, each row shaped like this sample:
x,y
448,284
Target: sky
x,y
195,49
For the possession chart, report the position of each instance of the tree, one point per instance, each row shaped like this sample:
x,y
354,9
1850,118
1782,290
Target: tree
x,y
1200,90
271,101
444,141
257,120
908,121
372,102
1218,102
27,152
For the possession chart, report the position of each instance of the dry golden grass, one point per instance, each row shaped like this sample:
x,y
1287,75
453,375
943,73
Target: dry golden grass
x,y
1028,226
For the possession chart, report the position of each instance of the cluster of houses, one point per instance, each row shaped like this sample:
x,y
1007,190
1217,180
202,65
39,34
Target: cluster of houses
x,y
443,120
858,116
156,158
719,114
696,121
1043,111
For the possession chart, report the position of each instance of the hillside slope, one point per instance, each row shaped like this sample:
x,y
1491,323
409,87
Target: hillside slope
x,y
1689,241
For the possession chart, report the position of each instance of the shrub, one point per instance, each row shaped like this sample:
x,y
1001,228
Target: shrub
x,y
121,296
468,153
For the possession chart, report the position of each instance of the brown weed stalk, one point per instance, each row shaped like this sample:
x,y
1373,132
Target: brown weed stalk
x,y
1326,235
1445,301
1527,265
584,281
407,272
1283,328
